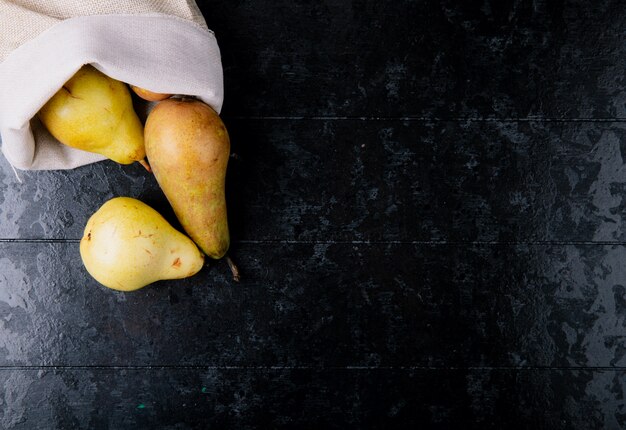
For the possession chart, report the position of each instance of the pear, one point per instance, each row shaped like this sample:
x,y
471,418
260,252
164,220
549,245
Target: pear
x,y
128,245
148,95
94,112
188,149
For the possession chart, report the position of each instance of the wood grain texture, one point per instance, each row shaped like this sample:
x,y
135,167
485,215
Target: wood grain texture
x,y
387,180
325,305
249,398
424,58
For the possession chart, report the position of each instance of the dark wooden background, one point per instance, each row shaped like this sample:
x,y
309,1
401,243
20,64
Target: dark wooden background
x,y
427,209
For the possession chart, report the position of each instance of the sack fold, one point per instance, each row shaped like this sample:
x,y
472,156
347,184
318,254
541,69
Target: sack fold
x,y
159,52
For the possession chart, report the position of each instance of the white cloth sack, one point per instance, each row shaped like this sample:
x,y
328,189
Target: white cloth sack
x,y
161,45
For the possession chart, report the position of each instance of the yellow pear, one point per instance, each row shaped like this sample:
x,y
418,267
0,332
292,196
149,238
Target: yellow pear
x,y
188,149
128,245
148,95
94,113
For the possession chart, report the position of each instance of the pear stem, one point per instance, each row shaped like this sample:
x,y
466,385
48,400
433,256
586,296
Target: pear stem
x,y
145,164
233,268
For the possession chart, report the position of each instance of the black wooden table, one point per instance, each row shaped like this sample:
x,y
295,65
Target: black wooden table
x,y
427,210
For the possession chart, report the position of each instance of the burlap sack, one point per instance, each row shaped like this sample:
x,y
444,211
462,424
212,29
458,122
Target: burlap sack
x,y
162,45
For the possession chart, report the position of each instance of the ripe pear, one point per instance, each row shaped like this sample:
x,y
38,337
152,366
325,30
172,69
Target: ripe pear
x,y
188,149
148,95
94,112
128,245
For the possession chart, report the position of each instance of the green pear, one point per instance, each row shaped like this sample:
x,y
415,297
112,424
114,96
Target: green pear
x,y
128,245
188,149
94,113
